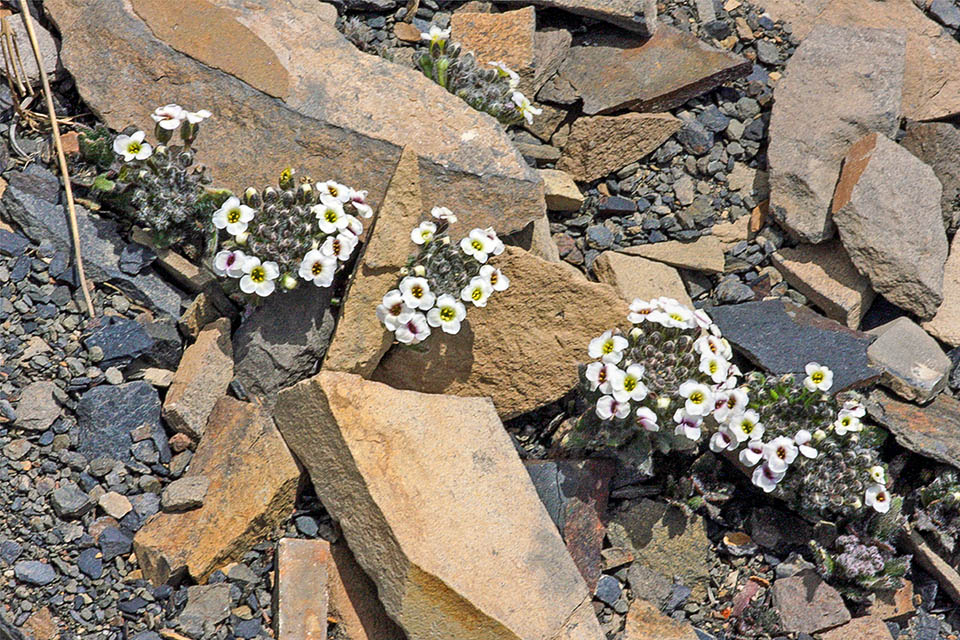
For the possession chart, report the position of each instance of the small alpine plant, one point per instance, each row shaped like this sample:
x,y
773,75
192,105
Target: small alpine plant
x,y
445,278
301,232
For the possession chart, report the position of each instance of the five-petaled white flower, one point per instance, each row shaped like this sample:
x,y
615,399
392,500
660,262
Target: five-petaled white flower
x,y
767,478
194,117
628,385
340,246
878,475
715,367
713,344
504,71
229,263
318,267
853,408
688,425
359,200
722,440
442,213
498,245
477,245
818,377
847,423
734,402
436,35
495,277
477,291
608,347
608,407
878,498
646,419
644,311
746,426
132,147
780,453
392,312
168,116
416,293
330,215
676,315
699,398
599,374
423,233
752,453
232,216
448,314
526,109
413,329
802,439
259,277
336,190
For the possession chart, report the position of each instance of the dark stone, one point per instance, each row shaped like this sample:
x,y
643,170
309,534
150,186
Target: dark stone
x,y
121,339
616,205
599,236
695,138
731,291
718,29
10,551
307,526
608,590
946,12
954,380
12,244
132,606
767,52
135,258
89,564
167,345
247,628
114,542
782,337
145,504
69,501
932,430
106,416
713,119
35,573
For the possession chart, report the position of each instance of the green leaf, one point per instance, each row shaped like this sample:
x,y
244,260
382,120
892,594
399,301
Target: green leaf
x,y
102,183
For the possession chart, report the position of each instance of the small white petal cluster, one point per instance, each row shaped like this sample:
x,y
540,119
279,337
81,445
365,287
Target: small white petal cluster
x,y
425,300
171,116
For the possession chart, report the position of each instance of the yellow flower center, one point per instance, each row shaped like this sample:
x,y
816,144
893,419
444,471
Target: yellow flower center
x,y
747,427
426,235
881,497
317,268
447,314
713,366
336,247
845,421
477,245
258,274
416,291
781,453
607,346
677,317
477,293
493,278
333,190
133,147
696,397
233,216
330,215
629,383
817,377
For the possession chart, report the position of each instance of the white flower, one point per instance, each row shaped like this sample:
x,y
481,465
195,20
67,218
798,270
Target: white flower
x,y
132,147
780,453
677,316
878,498
340,246
746,426
713,345
628,385
526,109
688,425
416,293
354,226
715,367
359,200
643,311
847,423
436,35
853,408
506,72
414,329
229,263
877,474
599,375
448,314
498,281
392,312
193,117
752,453
647,419
702,319
722,440
735,403
168,116
259,277
318,267
818,377
442,213
232,216
498,245
766,478
608,407
340,192
330,215
477,245
699,398
608,347
423,233
802,439
477,291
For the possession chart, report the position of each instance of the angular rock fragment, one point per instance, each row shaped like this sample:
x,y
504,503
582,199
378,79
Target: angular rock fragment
x,y
618,71
807,604
824,273
930,431
201,379
887,209
937,144
626,14
511,350
438,509
602,144
645,622
185,494
206,604
782,337
506,37
841,84
37,408
945,324
560,191
636,277
896,605
913,364
108,415
253,484
353,599
703,254
300,590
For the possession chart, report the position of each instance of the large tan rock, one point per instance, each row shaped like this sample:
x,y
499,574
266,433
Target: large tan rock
x,y
522,349
253,485
353,599
599,145
360,339
636,277
626,14
561,191
945,324
438,509
824,273
703,254
645,622
300,96
202,378
506,37
300,591
938,145
913,364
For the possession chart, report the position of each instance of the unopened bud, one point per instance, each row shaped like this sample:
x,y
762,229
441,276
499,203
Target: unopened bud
x,y
251,197
241,238
420,270
288,282
636,332
663,402
819,435
404,271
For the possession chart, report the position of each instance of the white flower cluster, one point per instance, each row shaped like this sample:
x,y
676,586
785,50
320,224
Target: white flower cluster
x,y
168,118
336,235
425,299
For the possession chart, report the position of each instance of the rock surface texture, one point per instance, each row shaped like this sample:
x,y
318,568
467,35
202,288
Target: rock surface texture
x,y
945,324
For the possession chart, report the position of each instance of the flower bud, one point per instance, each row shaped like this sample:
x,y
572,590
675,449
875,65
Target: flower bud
x,y
288,282
445,240
286,178
241,238
420,270
270,195
404,271
188,132
251,198
636,332
819,435
663,402
304,193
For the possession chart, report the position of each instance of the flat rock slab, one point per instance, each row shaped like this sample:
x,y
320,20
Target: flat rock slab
x,y
108,415
782,337
807,604
301,95
825,274
38,407
626,14
438,509
300,590
930,431
619,71
253,484
703,254
600,145
561,191
887,209
635,277
945,324
841,84
866,628
913,364
937,144
353,599
645,622
509,350
507,37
